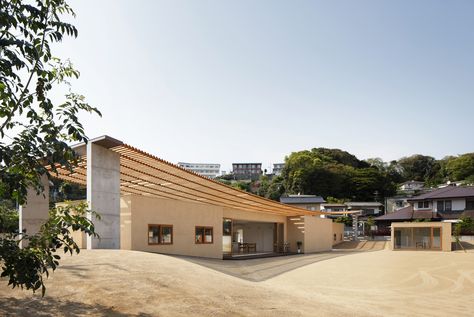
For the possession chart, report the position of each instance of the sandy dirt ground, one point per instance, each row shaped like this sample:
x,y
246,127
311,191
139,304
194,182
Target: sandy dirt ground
x,y
128,283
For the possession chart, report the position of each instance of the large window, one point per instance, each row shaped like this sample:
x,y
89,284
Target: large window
x,y
444,205
418,238
160,234
423,204
469,204
204,235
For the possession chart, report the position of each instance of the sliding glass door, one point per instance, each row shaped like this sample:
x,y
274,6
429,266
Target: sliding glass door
x,y
418,238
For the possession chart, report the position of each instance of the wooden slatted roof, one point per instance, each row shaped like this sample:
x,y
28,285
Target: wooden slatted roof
x,y
144,174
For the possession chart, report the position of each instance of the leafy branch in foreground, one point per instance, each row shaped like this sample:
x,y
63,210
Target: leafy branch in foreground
x,y
25,267
36,127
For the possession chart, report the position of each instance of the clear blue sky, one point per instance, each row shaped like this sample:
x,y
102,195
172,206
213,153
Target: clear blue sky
x,y
225,81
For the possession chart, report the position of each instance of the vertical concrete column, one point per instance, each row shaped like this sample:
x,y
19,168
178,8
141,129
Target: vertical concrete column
x,y
35,213
103,195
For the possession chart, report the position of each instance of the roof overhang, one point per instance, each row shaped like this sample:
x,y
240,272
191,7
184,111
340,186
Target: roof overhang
x,y
144,174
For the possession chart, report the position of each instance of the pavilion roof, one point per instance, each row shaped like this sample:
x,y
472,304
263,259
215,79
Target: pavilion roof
x,y
144,174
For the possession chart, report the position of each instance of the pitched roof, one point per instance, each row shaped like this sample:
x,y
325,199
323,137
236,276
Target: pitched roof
x,y
408,213
302,199
446,192
401,214
144,174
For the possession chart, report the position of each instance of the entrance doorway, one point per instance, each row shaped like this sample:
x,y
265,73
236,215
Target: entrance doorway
x,y
250,238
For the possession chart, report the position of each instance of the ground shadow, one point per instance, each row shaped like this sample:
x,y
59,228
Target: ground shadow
x,y
257,270
48,306
465,246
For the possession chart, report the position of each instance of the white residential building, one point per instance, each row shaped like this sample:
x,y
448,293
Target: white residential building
x,y
210,170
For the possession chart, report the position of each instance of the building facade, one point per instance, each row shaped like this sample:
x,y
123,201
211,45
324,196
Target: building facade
x,y
247,170
211,170
447,204
148,204
278,168
411,186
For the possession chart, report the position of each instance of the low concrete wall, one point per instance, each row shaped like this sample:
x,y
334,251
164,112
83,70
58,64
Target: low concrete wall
x,y
337,233
36,211
317,234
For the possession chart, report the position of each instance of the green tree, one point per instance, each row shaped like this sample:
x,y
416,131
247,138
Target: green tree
x,y
461,167
336,173
465,224
275,189
36,130
418,167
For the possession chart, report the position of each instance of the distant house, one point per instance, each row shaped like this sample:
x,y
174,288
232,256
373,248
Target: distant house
x,y
411,186
211,170
425,223
278,168
395,203
333,207
309,202
247,170
367,208
444,204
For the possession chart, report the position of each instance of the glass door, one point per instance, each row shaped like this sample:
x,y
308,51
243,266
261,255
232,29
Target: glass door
x,y
436,238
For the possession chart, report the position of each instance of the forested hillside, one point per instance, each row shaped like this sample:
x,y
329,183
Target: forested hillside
x,y
341,175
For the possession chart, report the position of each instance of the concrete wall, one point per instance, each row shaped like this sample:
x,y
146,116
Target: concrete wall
x,y
317,234
36,211
446,238
338,230
103,196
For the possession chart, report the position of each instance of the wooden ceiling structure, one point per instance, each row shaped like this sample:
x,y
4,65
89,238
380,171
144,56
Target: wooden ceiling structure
x,y
144,174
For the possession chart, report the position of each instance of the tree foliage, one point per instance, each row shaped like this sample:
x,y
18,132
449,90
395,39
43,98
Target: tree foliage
x,y
418,167
32,124
36,128
26,266
461,167
336,173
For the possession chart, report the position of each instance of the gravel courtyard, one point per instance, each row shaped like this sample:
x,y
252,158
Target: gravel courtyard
x,y
128,283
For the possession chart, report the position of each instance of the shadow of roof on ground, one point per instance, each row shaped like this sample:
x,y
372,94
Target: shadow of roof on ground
x,y
258,270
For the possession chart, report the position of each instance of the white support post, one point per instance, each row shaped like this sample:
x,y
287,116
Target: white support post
x,y
103,196
35,213
355,227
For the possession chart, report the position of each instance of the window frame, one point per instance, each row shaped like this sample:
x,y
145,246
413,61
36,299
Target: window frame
x,y
446,203
425,204
160,234
204,234
469,204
